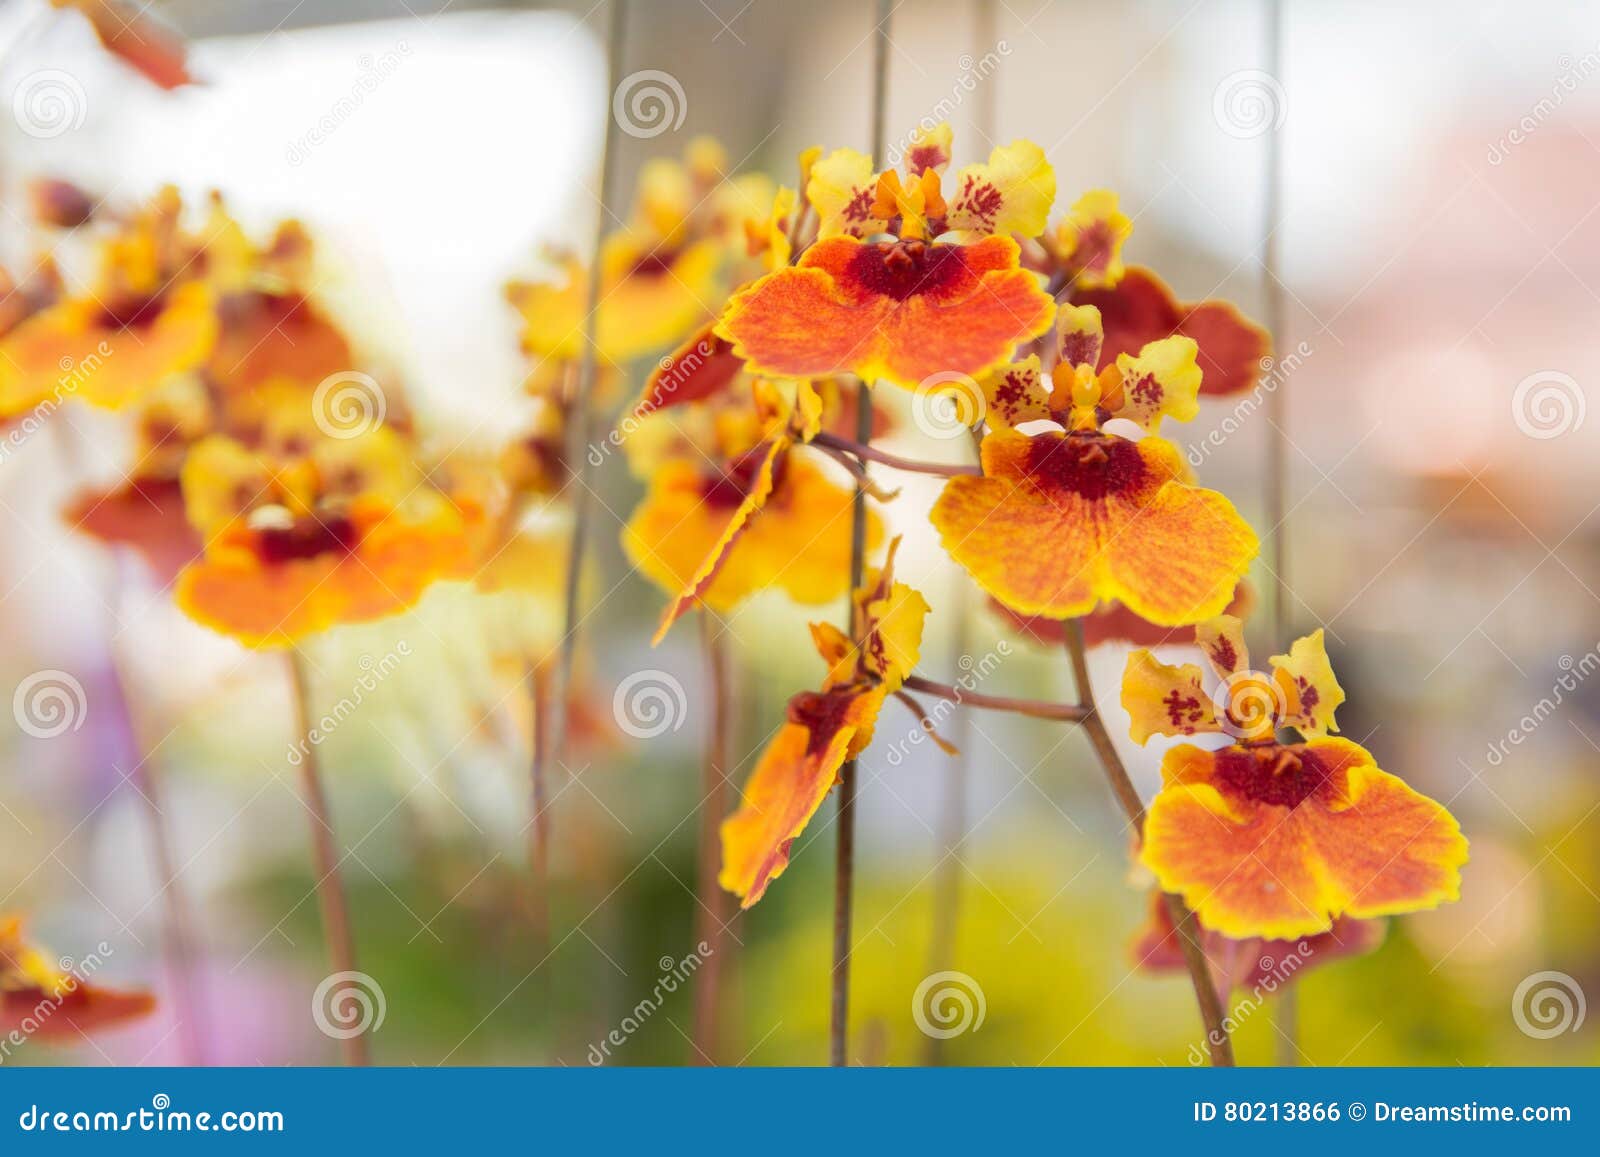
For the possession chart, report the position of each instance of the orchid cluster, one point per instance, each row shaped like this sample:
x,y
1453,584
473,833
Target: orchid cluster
x,y
1079,522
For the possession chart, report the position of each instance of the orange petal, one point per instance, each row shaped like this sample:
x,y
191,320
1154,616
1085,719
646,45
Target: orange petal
x,y
272,604
1058,523
265,336
796,772
1112,623
700,368
1142,309
126,32
882,314
144,513
78,349
755,497
1278,841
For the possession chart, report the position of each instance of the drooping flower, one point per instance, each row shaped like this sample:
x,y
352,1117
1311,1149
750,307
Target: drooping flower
x,y
345,532
1113,623
37,998
1277,840
823,729
760,514
1063,519
1255,963
904,309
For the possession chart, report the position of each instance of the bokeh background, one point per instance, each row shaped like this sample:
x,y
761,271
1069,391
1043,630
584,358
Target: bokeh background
x,y
1437,253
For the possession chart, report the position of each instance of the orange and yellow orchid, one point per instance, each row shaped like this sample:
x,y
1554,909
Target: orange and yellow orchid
x,y
346,532
1062,519
715,531
904,309
1275,840
823,730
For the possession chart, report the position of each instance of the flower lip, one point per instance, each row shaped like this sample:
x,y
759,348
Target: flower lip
x,y
1270,773
899,269
1087,463
297,539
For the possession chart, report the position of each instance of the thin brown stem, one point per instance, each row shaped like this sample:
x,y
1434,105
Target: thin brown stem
x,y
711,899
330,884
845,849
580,410
1033,708
1205,990
538,677
1286,1007
860,449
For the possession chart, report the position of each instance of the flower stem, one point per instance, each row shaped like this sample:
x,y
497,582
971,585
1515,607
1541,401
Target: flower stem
x,y
1034,708
1286,1007
711,899
862,450
538,677
330,884
1194,957
845,849
580,432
